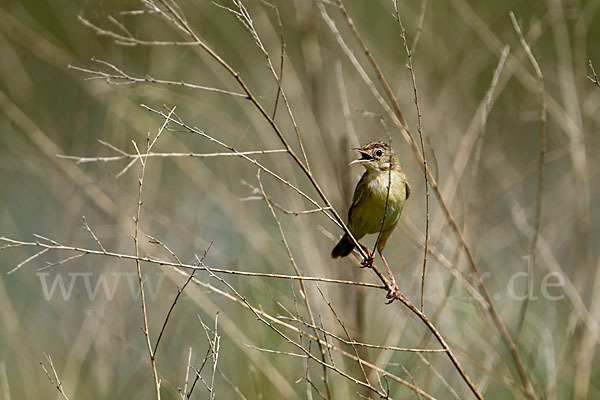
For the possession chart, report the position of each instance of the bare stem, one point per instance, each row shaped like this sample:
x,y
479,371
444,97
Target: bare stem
x,y
542,154
151,352
54,379
593,77
409,54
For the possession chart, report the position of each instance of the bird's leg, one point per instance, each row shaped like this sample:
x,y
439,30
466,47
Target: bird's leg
x,y
367,262
394,292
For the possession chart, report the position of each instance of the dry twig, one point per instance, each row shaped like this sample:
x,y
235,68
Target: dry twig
x,y
593,77
409,54
542,154
54,379
146,331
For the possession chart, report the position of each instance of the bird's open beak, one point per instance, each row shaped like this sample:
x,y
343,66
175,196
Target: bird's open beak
x,y
364,157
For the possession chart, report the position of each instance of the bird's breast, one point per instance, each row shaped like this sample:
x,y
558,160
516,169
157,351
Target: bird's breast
x,y
369,212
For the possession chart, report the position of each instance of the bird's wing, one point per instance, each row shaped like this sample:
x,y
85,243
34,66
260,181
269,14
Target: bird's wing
x,y
359,194
407,189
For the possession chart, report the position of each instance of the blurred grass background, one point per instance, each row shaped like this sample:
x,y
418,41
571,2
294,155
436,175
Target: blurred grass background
x,y
98,349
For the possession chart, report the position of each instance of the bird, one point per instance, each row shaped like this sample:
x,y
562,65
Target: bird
x,y
374,208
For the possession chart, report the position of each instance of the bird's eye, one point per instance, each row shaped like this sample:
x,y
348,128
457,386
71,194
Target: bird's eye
x,y
378,153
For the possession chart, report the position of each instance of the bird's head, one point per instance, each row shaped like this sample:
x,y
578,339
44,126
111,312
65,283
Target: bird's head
x,y
376,156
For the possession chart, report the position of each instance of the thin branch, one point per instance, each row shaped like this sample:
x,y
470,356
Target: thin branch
x,y
216,345
54,264
261,196
126,168
200,132
81,160
352,342
87,228
439,376
343,94
119,25
22,263
198,371
54,379
202,267
128,40
413,47
154,240
285,353
485,111
179,292
409,54
183,392
282,56
540,186
123,78
341,323
151,354
593,77
231,385
244,17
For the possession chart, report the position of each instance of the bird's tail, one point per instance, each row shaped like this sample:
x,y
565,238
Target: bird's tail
x,y
343,248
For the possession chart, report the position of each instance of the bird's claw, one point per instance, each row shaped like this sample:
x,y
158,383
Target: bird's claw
x,y
367,262
393,294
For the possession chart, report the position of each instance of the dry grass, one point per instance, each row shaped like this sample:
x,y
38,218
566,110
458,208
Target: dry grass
x,y
234,166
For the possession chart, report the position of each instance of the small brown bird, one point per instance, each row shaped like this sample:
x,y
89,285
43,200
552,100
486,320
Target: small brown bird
x,y
371,202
